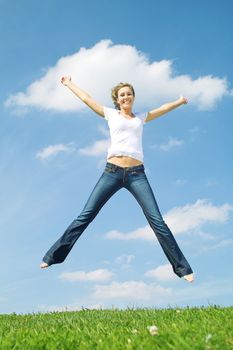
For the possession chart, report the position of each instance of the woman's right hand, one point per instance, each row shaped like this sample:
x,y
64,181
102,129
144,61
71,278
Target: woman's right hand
x,y
65,80
86,98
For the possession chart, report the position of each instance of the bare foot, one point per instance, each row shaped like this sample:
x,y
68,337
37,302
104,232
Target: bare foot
x,y
44,265
189,278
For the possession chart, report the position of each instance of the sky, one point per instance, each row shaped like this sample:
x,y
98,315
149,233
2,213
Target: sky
x,y
53,150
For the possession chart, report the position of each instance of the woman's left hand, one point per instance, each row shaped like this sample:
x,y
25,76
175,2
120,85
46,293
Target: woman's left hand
x,y
183,100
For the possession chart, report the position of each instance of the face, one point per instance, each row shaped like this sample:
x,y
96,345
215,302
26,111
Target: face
x,y
125,97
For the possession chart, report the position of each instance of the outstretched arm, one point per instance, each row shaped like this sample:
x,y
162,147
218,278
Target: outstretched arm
x,y
167,107
87,99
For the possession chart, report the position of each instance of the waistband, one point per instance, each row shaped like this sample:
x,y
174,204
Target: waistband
x,y
130,168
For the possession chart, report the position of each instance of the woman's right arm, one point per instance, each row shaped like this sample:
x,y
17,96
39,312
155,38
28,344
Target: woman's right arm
x,y
87,99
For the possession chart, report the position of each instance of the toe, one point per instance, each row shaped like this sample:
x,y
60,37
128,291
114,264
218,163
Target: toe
x,y
189,278
43,265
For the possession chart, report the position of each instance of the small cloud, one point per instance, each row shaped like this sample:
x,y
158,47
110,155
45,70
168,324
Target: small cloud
x,y
124,259
222,244
162,273
130,290
97,149
54,150
96,275
172,143
143,233
205,235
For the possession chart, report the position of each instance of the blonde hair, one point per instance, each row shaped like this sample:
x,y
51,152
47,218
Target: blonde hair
x,y
115,90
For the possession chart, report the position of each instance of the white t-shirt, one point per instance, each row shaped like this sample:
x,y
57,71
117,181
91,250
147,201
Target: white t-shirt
x,y
126,134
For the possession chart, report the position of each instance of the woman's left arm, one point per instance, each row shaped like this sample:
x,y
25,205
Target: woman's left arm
x,y
167,107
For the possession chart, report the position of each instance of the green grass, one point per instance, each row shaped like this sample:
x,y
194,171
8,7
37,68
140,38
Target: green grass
x,y
179,329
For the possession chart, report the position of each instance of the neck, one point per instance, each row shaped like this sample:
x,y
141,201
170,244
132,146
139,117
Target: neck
x,y
126,111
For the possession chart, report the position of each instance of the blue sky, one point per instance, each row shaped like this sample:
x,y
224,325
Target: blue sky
x,y
53,151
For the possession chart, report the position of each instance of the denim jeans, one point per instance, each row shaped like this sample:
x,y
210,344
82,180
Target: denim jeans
x,y
135,181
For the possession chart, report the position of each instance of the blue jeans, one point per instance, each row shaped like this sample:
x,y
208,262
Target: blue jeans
x,y
113,179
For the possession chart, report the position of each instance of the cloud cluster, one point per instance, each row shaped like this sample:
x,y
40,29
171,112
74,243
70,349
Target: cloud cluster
x,y
162,273
97,149
100,67
172,143
126,290
141,233
96,275
124,259
53,150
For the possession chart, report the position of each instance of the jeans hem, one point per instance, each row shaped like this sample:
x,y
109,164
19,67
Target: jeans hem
x,y
185,273
48,261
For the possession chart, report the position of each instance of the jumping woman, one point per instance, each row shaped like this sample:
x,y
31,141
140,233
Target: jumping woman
x,y
124,169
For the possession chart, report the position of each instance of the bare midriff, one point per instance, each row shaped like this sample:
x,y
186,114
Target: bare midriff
x,y
124,161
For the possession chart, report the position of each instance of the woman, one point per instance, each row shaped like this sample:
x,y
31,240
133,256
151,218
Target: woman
x,y
124,168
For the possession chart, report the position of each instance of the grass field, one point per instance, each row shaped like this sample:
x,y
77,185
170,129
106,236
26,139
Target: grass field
x,y
148,329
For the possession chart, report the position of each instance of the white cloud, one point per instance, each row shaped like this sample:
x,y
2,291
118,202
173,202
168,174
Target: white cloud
x,y
98,148
172,143
192,216
222,244
181,220
132,290
205,235
96,275
98,68
143,233
54,150
124,259
162,273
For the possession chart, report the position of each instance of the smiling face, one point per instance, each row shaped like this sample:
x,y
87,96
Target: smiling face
x,y
125,97
120,93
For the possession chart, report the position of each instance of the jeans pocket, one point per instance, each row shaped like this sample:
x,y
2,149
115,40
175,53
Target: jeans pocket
x,y
109,170
137,172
